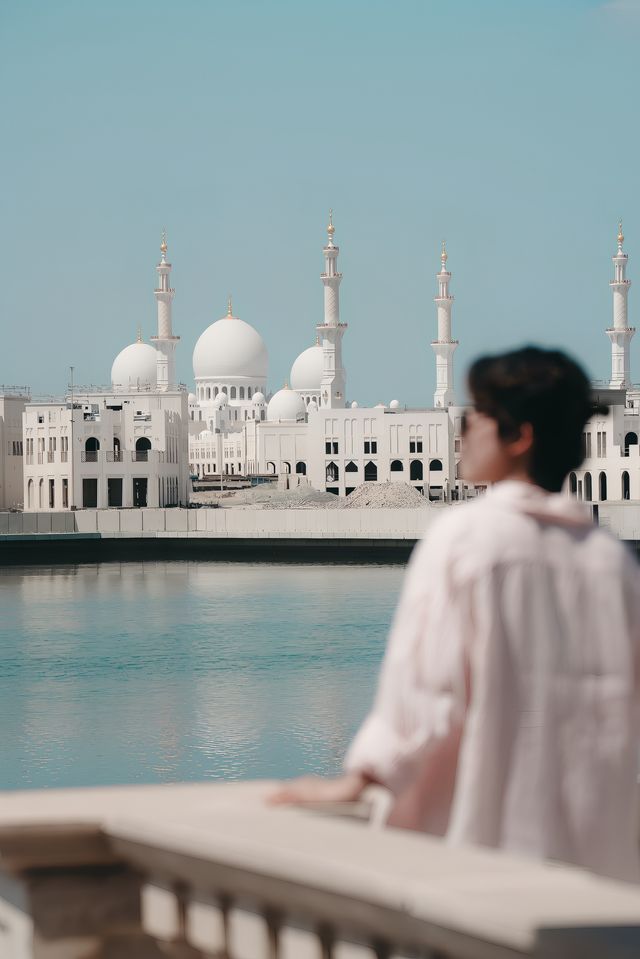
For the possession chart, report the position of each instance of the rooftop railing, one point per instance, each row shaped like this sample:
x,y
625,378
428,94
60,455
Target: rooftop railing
x,y
204,871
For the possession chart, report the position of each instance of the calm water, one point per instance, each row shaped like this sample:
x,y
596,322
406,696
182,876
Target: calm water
x,y
155,672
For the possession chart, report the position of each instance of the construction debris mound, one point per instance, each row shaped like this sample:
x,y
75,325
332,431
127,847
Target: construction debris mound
x,y
384,496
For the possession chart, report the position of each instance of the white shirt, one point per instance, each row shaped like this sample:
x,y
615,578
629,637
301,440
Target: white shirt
x,y
508,707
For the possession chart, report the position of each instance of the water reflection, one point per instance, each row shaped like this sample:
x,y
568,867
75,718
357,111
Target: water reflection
x,y
153,672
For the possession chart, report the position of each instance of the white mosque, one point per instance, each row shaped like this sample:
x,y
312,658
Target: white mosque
x,y
137,442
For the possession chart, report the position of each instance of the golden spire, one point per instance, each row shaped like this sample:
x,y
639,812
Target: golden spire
x,y
139,335
286,385
620,235
163,245
331,228
229,307
317,339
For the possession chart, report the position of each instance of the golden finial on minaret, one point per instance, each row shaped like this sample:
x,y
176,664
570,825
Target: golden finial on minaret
x,y
443,255
331,228
229,307
163,245
286,385
620,235
139,335
317,339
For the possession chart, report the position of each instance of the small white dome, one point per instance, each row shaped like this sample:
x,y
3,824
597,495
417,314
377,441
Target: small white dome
x,y
306,372
258,399
286,405
354,405
192,398
135,367
380,406
220,401
394,405
313,406
230,347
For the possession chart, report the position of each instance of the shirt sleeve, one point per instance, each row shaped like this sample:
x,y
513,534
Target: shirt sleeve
x,y
423,688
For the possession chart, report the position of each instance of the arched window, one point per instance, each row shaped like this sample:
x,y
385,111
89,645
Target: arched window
x,y
143,445
626,489
588,487
416,470
40,493
208,392
301,468
573,484
435,466
286,467
351,468
248,392
396,466
603,486
91,447
262,415
271,467
215,391
241,392
30,494
631,439
370,473
233,393
333,473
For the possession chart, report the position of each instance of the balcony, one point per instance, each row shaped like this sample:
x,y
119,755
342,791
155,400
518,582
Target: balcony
x,y
203,871
115,456
89,456
140,456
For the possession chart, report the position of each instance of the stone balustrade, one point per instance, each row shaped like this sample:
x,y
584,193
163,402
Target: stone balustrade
x,y
212,872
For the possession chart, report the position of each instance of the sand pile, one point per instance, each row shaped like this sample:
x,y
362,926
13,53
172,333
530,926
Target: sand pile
x,y
384,496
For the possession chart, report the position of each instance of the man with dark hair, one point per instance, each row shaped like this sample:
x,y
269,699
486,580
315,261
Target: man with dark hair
x,y
508,707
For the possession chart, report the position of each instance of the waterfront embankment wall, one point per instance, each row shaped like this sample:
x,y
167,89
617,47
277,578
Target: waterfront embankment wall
x,y
243,533
256,533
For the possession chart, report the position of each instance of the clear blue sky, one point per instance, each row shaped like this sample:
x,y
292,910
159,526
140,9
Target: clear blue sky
x,y
507,126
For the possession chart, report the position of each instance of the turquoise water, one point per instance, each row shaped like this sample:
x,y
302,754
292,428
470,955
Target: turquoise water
x,y
157,672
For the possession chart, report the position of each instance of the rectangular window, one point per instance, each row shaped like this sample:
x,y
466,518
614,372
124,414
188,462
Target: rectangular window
x,y
327,447
412,446
65,493
589,445
335,447
52,494
418,446
604,444
114,491
90,493
367,446
140,491
374,446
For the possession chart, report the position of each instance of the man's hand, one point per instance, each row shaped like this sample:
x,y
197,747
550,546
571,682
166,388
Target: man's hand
x,y
315,789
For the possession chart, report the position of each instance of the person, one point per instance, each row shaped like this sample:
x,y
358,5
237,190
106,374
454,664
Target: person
x,y
508,709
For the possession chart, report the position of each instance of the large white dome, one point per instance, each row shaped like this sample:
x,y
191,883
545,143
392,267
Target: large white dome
x,y
135,367
306,372
230,348
285,405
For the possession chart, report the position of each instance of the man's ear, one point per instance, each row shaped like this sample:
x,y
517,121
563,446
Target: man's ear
x,y
524,442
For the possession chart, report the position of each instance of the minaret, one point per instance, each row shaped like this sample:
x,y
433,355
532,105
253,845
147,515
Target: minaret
x,y
620,333
165,342
444,347
334,377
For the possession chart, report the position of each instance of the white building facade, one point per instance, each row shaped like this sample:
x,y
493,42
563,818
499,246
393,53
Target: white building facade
x,y
126,446
13,400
